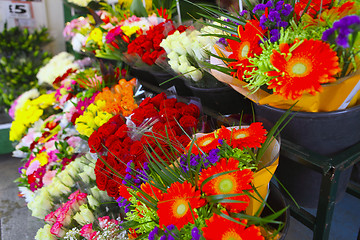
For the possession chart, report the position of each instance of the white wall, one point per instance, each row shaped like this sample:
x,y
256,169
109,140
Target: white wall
x,y
44,13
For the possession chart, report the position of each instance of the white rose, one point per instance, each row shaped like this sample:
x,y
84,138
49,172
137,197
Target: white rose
x,y
87,214
66,179
93,203
56,188
194,73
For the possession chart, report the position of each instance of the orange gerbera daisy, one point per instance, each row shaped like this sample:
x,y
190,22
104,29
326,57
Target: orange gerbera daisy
x,y
229,183
224,133
224,229
207,142
248,46
303,69
252,136
177,204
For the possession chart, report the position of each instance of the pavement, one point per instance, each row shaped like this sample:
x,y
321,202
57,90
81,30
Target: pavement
x,y
16,222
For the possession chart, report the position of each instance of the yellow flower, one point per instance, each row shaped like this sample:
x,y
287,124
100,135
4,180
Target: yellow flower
x,y
42,157
129,30
96,35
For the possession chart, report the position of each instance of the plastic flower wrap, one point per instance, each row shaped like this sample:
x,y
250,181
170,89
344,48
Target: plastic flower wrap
x,y
280,54
57,66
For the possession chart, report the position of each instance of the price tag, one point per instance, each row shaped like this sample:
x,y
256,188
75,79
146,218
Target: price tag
x,y
19,10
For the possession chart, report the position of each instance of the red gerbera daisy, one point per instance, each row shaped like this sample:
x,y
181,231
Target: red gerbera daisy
x,y
151,191
224,229
247,47
252,136
302,69
224,133
230,183
205,143
175,207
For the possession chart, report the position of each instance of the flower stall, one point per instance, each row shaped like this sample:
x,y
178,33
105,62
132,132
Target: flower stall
x,y
117,142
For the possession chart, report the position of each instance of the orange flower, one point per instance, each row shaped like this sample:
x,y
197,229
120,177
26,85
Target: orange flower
x,y
119,99
221,228
302,69
234,182
151,191
252,136
205,143
247,47
177,204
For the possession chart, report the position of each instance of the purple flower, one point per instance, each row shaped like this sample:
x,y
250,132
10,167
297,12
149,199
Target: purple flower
x,y
153,233
129,166
279,5
195,233
163,237
274,16
263,20
342,28
213,155
287,10
275,35
243,12
259,7
283,24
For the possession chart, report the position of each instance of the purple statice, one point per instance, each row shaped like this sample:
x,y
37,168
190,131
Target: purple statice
x,y
152,234
243,12
122,202
342,28
194,161
195,233
273,16
213,156
223,41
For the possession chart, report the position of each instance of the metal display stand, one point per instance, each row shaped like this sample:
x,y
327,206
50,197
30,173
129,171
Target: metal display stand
x,y
330,168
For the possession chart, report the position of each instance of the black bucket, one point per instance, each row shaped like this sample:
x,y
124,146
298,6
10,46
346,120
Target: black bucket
x,y
325,133
223,100
277,202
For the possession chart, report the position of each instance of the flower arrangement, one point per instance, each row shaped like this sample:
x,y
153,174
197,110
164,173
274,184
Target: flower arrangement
x,y
56,67
280,53
211,185
119,146
29,113
187,51
104,107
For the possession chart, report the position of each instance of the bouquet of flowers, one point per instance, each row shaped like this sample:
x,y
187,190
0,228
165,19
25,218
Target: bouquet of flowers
x,y
206,193
120,147
278,53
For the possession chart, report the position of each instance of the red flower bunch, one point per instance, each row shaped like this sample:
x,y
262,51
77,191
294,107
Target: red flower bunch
x,y
117,146
147,46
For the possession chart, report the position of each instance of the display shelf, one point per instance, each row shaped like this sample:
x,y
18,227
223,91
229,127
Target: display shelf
x,y
330,168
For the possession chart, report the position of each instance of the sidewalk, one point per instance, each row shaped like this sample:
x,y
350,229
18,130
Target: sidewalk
x,y
16,222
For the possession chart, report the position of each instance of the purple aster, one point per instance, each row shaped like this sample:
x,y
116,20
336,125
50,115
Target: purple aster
x,y
263,20
223,41
163,237
327,33
283,24
195,233
279,5
213,155
287,10
129,166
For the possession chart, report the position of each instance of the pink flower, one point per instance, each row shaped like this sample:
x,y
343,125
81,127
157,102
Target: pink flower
x,y
50,218
33,167
104,222
64,217
57,230
49,175
73,141
87,231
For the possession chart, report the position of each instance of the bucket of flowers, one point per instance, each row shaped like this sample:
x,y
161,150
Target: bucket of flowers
x,y
216,189
279,53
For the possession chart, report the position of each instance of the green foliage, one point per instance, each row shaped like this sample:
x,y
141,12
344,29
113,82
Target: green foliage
x,y
21,57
